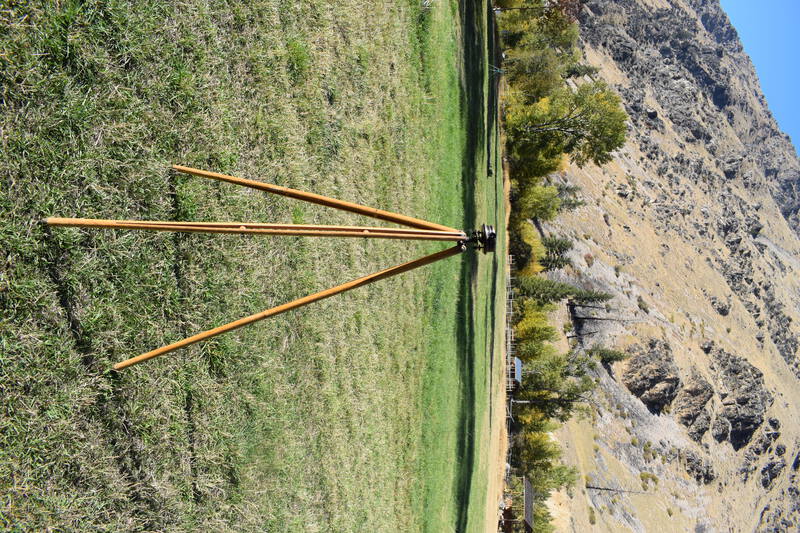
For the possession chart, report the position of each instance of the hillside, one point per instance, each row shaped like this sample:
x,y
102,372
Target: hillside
x,y
694,230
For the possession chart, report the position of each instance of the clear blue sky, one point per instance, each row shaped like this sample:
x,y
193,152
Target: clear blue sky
x,y
770,33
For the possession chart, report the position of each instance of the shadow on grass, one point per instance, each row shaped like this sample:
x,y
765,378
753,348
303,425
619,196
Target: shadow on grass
x,y
492,167
473,109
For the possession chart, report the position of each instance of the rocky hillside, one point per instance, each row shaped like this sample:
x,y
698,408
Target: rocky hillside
x,y
694,230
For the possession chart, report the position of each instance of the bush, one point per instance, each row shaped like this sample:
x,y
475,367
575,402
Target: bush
x,y
642,304
647,478
579,69
607,355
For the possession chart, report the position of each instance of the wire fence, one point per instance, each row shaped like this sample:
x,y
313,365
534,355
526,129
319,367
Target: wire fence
x,y
509,332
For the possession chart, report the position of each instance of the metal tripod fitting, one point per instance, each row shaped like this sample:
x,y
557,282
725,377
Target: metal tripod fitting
x,y
484,239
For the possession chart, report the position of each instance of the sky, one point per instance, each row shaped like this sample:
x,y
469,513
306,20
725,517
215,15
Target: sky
x,y
770,33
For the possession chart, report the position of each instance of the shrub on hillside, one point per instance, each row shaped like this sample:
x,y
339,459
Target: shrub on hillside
x,y
607,355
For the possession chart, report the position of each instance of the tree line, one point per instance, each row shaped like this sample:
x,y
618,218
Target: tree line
x,y
555,111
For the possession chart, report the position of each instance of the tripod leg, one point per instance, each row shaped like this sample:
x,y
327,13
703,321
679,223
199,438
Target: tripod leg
x,y
317,199
392,271
261,229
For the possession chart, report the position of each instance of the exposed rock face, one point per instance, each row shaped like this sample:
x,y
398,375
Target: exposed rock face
x,y
720,306
771,471
698,217
700,469
744,399
688,59
652,375
689,407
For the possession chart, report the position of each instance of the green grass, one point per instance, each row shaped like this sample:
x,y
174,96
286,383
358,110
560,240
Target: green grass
x,y
360,413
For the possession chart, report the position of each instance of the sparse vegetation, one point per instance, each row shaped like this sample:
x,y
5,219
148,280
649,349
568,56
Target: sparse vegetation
x,y
608,356
647,478
642,304
648,451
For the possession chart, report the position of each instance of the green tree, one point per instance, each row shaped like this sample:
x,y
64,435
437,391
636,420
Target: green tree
x,y
556,248
588,123
568,195
534,72
540,202
533,323
543,290
524,244
556,385
590,296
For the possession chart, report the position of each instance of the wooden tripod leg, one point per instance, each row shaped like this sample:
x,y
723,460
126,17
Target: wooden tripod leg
x,y
392,271
103,222
317,199
261,229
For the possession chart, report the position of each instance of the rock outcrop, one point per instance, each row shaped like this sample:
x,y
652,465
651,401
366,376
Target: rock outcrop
x,y
690,408
652,375
743,396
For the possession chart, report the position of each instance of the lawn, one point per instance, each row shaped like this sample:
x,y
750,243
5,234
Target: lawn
x,y
364,412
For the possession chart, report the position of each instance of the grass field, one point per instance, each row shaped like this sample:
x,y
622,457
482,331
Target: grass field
x,y
364,412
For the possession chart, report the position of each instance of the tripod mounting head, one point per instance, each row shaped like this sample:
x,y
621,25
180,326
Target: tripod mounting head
x,y
483,239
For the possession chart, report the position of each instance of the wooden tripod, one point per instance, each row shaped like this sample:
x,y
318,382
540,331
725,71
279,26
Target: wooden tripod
x,y
419,230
